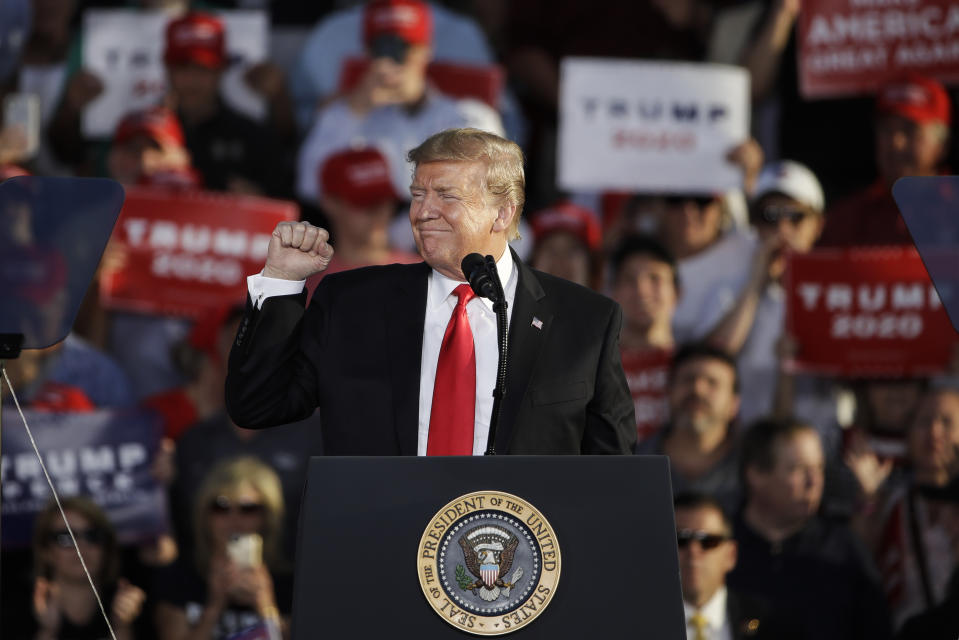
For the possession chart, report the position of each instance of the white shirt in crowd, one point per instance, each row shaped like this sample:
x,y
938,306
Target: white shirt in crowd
x,y
717,627
711,281
392,129
440,303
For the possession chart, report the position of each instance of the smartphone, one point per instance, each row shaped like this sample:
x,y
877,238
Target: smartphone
x,y
22,111
246,550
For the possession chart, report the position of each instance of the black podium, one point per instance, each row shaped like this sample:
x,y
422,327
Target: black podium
x,y
365,539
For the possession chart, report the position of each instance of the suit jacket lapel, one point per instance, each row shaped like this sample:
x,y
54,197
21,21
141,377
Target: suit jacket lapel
x,y
404,312
524,343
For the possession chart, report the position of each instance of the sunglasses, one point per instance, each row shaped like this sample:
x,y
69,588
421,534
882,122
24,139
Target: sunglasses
x,y
222,505
61,537
390,46
773,214
706,540
700,201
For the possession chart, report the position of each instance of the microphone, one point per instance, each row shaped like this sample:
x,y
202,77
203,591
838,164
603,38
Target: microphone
x,y
476,272
484,280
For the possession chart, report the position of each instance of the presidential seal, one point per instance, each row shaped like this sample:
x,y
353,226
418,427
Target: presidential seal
x,y
488,563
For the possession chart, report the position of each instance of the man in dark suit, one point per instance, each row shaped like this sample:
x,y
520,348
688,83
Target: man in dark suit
x,y
401,360
810,567
707,553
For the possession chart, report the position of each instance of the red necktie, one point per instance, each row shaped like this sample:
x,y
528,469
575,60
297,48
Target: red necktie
x,y
454,392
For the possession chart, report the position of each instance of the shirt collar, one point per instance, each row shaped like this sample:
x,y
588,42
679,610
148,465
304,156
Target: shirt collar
x,y
714,610
441,286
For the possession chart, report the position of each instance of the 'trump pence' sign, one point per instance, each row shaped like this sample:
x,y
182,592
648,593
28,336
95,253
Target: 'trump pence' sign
x,y
106,455
650,126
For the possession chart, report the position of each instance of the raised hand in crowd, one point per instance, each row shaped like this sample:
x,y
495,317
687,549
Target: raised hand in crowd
x,y
749,156
63,602
64,132
218,583
81,90
297,250
870,470
763,57
269,80
767,265
46,608
375,88
387,81
769,260
126,608
252,587
217,587
227,584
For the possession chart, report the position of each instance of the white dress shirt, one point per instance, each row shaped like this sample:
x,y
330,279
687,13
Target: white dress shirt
x,y
440,303
717,627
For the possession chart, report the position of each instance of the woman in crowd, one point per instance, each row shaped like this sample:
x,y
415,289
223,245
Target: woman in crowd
x,y
900,519
64,606
235,579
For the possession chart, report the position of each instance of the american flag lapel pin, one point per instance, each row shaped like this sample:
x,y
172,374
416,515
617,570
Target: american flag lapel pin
x,y
537,323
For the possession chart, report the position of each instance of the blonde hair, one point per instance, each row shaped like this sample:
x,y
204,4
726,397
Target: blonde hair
x,y
226,477
505,180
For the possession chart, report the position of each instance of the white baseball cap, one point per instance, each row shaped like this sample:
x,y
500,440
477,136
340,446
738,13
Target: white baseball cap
x,y
793,180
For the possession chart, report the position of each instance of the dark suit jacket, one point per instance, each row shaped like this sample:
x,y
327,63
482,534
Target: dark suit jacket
x,y
355,353
753,619
940,622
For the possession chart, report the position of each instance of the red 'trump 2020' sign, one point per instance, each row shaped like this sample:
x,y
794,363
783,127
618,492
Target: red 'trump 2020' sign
x,y
867,312
188,251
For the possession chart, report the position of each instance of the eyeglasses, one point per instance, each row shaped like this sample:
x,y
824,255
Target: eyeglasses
x,y
222,505
774,213
700,201
61,537
706,540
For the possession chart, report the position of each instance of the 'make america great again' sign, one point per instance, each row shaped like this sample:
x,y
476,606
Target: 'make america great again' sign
x,y
853,46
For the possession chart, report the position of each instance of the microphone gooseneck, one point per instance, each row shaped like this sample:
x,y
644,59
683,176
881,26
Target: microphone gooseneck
x,y
484,279
475,270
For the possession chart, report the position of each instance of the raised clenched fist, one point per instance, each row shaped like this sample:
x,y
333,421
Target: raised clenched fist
x,y
297,251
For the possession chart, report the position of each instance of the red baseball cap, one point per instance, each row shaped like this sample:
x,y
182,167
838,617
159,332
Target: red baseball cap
x,y
917,98
157,123
197,38
411,20
359,176
566,216
8,171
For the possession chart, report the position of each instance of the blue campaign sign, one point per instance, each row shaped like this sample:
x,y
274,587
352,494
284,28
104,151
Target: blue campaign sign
x,y
106,455
52,234
930,207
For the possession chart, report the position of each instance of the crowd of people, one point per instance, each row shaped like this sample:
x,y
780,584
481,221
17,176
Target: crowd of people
x,y
807,506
